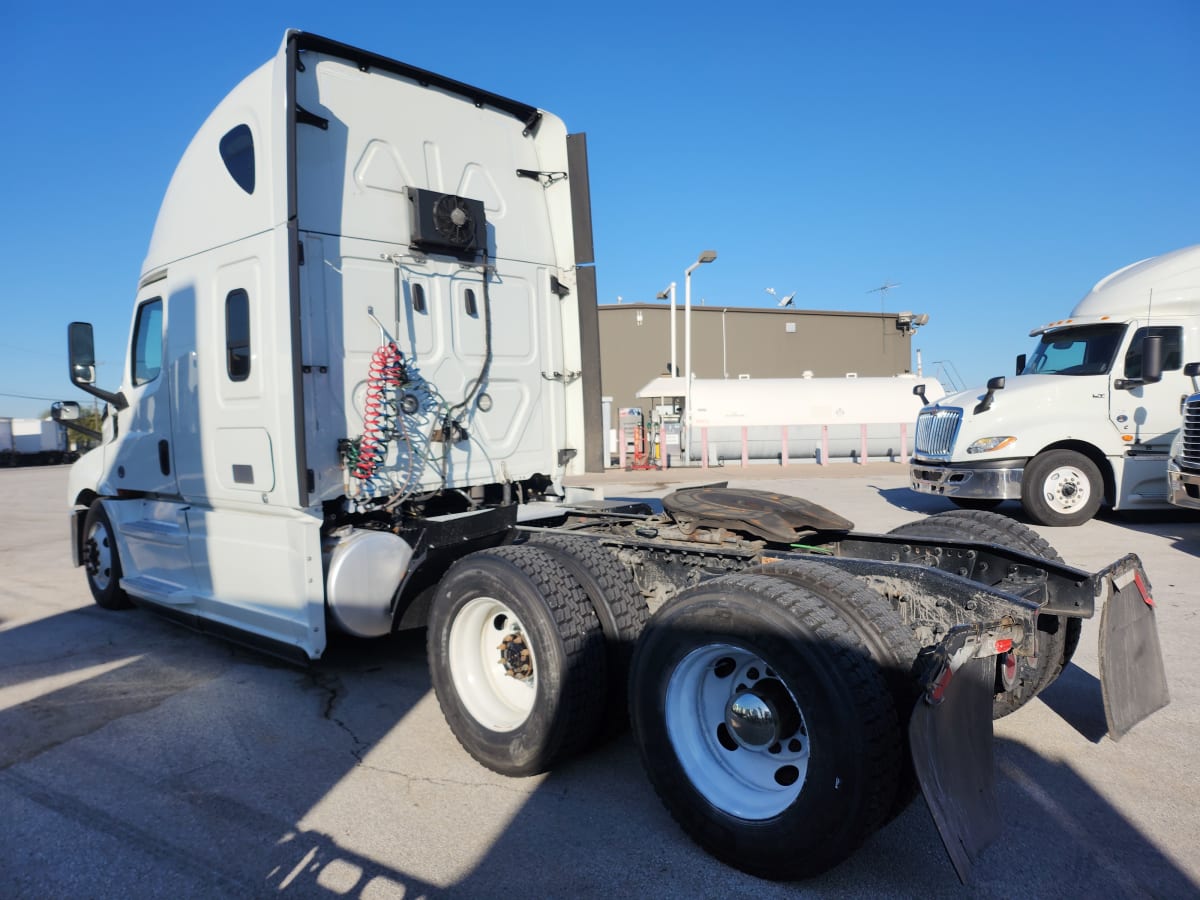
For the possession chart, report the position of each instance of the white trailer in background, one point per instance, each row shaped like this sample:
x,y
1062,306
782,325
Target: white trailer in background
x,y
31,442
363,356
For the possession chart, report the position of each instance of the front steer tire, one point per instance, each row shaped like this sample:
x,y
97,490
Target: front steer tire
x,y
548,703
784,805
102,561
1061,488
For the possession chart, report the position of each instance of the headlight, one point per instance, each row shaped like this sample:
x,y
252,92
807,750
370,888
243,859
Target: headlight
x,y
988,444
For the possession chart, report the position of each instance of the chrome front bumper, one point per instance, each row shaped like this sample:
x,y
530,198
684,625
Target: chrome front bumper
x,y
1184,487
969,483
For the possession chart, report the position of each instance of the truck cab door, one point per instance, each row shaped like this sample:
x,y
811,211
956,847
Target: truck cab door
x,y
1147,415
141,457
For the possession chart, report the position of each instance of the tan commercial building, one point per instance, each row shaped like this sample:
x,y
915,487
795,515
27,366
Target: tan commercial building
x,y
737,342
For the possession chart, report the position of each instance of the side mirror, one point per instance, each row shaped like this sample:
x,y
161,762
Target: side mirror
x,y
993,385
1020,364
919,391
1152,359
64,411
67,413
1192,369
81,350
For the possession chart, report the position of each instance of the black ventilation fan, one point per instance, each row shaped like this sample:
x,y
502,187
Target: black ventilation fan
x,y
447,223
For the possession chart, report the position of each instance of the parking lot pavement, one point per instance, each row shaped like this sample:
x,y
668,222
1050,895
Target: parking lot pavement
x,y
139,759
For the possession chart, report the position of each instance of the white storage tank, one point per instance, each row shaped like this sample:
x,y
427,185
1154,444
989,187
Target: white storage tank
x,y
765,406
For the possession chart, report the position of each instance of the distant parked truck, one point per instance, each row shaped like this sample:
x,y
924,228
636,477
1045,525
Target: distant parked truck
x,y
1183,468
32,442
1091,414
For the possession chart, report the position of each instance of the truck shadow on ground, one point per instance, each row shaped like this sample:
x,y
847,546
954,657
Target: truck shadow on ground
x,y
1181,523
1180,526
202,769
912,501
1076,697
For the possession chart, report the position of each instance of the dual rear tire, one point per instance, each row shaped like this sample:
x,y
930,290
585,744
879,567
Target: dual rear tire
x,y
527,658
766,724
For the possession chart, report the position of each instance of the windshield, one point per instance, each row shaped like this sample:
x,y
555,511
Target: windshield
x,y
1086,350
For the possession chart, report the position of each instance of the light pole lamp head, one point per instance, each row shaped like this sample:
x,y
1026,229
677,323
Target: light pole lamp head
x,y
706,256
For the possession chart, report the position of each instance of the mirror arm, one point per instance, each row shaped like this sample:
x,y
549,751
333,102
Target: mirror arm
x,y
82,429
117,400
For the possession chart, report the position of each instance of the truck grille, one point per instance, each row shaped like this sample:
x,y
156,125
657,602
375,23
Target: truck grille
x,y
1190,458
936,430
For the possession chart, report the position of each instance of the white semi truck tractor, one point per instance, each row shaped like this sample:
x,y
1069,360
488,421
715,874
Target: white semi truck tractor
x,y
1183,468
363,356
1089,418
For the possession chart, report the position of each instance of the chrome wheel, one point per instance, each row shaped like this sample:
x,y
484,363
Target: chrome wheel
x,y
98,555
1066,489
737,731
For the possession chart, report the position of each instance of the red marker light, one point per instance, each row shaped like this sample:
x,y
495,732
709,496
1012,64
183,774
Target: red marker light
x,y
1003,645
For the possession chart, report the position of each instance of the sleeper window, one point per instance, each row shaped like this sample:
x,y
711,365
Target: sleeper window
x,y
237,335
237,150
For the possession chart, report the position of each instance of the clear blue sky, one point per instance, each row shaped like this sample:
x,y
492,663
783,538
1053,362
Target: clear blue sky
x,y
994,158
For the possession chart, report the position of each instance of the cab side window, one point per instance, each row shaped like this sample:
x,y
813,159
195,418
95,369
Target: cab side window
x,y
148,341
1172,349
237,335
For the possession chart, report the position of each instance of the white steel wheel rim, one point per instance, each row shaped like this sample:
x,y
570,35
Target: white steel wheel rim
x,y
496,700
1066,489
100,557
751,783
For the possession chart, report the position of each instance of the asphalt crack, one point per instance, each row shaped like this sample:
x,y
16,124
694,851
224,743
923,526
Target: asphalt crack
x,y
332,688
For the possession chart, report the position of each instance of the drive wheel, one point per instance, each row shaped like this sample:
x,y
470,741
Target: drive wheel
x,y
1017,680
101,560
764,725
516,656
1061,487
892,644
618,603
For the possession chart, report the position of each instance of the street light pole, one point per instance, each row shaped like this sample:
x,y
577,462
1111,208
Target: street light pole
x,y
706,256
669,291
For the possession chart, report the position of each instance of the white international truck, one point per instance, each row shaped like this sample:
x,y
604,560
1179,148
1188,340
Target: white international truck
x,y
1090,416
363,358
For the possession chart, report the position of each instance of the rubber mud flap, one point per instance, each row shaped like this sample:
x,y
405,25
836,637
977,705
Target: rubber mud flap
x,y
1132,676
952,753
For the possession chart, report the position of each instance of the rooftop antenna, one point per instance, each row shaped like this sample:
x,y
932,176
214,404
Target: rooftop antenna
x,y
882,291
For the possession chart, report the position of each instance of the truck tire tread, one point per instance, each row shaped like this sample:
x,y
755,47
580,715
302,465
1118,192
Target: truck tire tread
x,y
777,614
